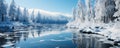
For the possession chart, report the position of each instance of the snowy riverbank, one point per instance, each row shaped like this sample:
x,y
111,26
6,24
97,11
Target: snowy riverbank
x,y
104,35
9,26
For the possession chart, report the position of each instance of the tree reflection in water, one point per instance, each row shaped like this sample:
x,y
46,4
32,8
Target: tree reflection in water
x,y
84,40
21,33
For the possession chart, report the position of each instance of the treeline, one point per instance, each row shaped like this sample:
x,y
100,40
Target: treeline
x,y
15,13
103,11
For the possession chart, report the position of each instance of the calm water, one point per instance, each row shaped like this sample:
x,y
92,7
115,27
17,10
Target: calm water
x,y
40,37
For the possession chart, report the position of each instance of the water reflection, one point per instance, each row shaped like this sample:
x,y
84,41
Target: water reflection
x,y
21,34
11,38
92,41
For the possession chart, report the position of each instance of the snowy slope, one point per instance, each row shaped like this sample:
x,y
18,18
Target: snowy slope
x,y
47,16
55,15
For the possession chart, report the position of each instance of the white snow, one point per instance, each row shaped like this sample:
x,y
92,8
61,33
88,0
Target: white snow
x,y
48,13
101,12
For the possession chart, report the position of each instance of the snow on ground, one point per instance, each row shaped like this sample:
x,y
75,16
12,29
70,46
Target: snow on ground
x,y
111,31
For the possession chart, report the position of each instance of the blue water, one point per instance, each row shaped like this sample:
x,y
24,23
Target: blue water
x,y
39,38
62,40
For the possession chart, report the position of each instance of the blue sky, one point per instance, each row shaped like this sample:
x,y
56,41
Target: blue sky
x,y
63,6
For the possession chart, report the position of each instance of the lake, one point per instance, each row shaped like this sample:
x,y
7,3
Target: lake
x,y
46,36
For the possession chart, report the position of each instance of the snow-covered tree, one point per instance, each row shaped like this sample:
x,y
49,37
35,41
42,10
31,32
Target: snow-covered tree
x,y
88,9
117,13
80,11
104,10
74,14
38,18
89,12
25,16
3,10
110,9
12,11
32,16
19,14
84,11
